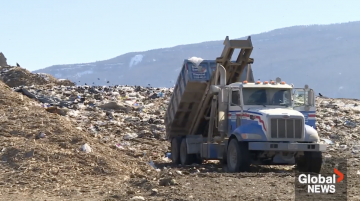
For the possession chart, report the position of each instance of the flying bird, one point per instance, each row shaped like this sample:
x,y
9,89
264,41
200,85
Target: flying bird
x,y
98,78
107,81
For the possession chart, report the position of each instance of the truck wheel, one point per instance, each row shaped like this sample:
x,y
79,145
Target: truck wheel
x,y
300,164
185,158
175,150
238,156
310,162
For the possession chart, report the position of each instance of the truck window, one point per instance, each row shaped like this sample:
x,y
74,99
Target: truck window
x,y
300,98
255,97
268,96
235,98
281,96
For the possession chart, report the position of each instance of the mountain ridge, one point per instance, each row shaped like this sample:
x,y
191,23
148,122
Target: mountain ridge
x,y
313,55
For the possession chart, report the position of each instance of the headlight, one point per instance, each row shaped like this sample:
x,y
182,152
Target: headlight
x,y
251,136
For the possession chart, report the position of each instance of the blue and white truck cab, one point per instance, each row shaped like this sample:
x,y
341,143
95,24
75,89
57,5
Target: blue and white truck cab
x,y
272,127
225,115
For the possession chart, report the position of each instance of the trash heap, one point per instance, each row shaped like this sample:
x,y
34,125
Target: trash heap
x,y
338,122
15,76
73,139
87,148
111,113
107,112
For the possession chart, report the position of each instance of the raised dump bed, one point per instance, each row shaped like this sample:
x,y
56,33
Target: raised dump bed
x,y
188,93
190,102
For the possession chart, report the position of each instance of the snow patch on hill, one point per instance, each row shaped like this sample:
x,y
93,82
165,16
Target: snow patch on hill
x,y
84,73
135,60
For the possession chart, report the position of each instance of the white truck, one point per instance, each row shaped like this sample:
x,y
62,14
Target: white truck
x,y
218,111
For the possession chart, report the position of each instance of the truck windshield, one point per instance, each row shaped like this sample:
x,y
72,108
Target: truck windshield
x,y
266,96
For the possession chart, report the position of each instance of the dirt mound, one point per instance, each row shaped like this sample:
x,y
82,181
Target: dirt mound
x,y
17,76
41,151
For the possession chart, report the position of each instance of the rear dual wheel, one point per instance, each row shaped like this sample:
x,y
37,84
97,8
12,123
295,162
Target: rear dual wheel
x,y
175,150
179,154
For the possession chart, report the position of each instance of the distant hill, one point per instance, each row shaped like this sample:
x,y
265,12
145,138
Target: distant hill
x,y
327,57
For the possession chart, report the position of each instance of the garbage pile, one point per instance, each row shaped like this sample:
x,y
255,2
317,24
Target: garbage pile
x,y
15,76
106,111
52,153
111,139
138,112
338,122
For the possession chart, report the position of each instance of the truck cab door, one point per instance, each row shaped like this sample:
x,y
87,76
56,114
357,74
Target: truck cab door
x,y
235,109
304,102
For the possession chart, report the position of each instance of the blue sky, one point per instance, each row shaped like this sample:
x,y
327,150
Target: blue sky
x,y
41,33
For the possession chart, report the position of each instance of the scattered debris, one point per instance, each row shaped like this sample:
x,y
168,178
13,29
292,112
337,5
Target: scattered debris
x,y
109,140
137,198
86,148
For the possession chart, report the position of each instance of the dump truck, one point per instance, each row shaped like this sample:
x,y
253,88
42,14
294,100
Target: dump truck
x,y
219,112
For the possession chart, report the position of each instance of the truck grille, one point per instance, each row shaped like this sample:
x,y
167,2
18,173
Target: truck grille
x,y
286,128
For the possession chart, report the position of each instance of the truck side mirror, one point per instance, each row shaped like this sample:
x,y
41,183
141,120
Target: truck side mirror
x,y
311,101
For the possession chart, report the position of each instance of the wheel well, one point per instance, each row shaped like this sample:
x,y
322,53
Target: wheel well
x,y
231,137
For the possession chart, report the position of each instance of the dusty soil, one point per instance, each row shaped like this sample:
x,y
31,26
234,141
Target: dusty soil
x,y
270,183
54,167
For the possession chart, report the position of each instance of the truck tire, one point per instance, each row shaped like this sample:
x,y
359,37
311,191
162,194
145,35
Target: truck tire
x,y
238,156
311,161
175,150
185,158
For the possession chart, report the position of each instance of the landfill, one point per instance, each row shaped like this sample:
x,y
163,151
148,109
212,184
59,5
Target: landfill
x,y
67,142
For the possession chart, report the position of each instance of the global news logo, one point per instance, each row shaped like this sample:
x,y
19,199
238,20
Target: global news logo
x,y
321,184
